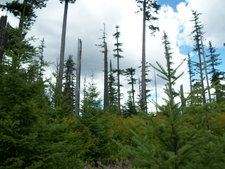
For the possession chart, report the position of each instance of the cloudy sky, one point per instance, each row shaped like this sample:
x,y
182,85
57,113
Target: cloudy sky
x,y
85,21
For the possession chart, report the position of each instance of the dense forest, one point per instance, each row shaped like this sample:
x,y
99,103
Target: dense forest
x,y
45,124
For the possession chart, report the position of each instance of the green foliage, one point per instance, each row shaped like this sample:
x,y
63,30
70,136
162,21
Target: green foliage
x,y
69,86
150,7
38,131
24,10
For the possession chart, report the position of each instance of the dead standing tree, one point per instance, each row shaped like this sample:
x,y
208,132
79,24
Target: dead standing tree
x,y
105,52
78,73
148,8
63,41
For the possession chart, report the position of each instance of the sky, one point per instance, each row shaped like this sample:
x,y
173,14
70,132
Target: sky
x,y
86,19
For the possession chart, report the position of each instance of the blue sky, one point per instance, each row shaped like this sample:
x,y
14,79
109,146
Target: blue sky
x,y
172,3
184,49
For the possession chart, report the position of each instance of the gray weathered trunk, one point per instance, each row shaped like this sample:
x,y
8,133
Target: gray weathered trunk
x,y
62,50
205,68
78,73
143,83
106,93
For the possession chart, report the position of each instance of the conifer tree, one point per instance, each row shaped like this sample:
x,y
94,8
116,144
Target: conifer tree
x,y
130,72
216,75
41,58
197,35
112,87
4,26
25,10
20,105
148,8
190,71
118,56
167,143
69,86
91,101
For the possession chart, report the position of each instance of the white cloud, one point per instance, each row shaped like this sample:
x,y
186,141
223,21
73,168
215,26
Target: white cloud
x,y
85,21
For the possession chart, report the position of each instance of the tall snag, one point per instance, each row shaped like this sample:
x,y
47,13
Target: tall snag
x,y
63,42
103,45
148,7
78,73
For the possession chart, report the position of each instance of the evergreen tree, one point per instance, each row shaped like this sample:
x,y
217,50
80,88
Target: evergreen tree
x,y
130,72
216,75
112,87
25,10
190,71
148,7
197,35
21,104
41,58
4,26
167,143
91,101
118,56
69,86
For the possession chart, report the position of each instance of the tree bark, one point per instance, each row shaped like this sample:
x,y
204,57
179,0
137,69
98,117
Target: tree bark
x,y
143,82
62,50
78,73
132,87
205,68
106,93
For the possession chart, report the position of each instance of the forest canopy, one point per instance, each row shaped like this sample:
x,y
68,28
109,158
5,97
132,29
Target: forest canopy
x,y
68,123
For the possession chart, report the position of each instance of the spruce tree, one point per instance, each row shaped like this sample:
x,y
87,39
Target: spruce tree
x,y
197,35
25,10
69,85
91,101
216,75
21,108
112,87
118,56
130,72
167,142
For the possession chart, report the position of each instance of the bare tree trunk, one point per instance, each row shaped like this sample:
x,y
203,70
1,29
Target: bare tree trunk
x,y
78,73
106,93
206,72
143,83
132,87
190,71
62,50
183,103
201,74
